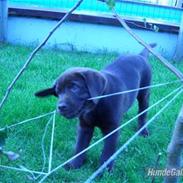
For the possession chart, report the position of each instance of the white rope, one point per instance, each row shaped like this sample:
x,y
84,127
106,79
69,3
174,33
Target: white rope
x,y
100,140
97,172
32,172
28,120
51,143
42,146
22,170
136,89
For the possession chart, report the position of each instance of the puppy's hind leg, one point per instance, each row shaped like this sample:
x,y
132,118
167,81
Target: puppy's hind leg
x,y
143,103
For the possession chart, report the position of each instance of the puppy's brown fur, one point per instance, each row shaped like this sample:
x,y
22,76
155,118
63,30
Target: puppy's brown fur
x,y
75,86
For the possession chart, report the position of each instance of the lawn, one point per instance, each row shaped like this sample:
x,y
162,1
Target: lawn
x,y
130,167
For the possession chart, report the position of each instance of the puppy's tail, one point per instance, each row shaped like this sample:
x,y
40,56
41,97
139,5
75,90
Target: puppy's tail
x,y
145,52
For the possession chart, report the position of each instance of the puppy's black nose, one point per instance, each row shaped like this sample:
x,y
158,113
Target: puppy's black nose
x,y
63,107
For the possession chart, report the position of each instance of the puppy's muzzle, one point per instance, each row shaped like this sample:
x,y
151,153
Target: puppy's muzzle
x,y
63,107
66,111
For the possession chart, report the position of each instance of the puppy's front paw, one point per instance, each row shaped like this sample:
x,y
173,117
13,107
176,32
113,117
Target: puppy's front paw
x,y
71,165
68,166
144,133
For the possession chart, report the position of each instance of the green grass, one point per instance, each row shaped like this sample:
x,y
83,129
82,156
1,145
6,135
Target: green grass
x,y
26,139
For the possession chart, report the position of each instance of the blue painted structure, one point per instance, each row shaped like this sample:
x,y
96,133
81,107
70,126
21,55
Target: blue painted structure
x,y
85,36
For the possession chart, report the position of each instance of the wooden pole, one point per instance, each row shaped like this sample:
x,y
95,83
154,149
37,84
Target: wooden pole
x,y
175,149
3,20
179,47
165,62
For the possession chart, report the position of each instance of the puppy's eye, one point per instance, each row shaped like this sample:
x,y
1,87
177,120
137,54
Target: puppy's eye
x,y
74,88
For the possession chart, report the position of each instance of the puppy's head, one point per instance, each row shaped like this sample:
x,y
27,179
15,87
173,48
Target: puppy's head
x,y
73,89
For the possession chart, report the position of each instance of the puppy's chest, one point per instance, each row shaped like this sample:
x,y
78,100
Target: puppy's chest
x,y
108,111
101,116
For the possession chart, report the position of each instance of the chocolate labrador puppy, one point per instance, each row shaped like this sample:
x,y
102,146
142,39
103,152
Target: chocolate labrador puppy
x,y
75,86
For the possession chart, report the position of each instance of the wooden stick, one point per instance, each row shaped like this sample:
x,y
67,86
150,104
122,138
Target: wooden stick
x,y
10,87
156,166
139,40
175,148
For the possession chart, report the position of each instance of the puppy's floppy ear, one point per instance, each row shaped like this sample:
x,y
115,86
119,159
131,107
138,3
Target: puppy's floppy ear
x,y
46,92
95,81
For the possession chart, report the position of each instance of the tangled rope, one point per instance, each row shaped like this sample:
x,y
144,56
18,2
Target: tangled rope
x,y
53,114
136,89
27,120
113,157
117,129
